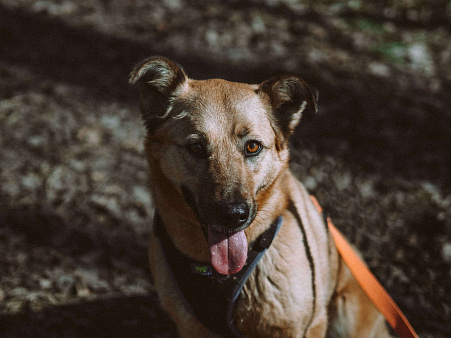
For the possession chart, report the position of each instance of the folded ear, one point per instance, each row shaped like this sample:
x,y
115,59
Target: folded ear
x,y
289,96
159,80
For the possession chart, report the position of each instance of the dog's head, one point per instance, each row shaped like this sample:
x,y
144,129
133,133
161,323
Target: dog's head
x,y
220,144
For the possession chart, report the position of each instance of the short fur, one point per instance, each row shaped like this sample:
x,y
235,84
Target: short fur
x,y
300,288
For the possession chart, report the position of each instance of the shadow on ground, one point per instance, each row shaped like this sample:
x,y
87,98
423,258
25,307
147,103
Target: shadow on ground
x,y
134,316
42,231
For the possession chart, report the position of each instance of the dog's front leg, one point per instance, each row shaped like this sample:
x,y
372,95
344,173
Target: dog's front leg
x,y
170,297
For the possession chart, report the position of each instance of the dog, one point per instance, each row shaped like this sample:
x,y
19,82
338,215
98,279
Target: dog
x,y
218,156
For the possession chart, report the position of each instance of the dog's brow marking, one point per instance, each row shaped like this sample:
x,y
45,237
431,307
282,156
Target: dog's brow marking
x,y
244,132
196,138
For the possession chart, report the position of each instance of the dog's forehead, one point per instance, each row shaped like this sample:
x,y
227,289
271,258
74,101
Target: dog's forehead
x,y
220,105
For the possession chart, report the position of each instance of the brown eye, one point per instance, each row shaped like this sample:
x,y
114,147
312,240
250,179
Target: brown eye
x,y
197,149
253,148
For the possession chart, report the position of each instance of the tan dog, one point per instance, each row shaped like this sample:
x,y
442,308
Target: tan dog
x,y
218,158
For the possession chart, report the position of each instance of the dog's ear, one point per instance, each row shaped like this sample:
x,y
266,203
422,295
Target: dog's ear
x,y
159,80
290,97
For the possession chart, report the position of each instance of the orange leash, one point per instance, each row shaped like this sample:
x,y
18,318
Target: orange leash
x,y
368,282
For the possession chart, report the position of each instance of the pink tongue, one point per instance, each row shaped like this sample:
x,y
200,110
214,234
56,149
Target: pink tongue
x,y
228,252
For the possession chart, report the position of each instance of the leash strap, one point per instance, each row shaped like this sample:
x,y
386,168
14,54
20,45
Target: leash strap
x,y
368,282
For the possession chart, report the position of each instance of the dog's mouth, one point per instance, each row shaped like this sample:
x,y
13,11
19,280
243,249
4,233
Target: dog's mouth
x,y
228,251
228,246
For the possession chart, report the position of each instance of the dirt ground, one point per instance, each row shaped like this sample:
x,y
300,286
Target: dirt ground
x,y
74,201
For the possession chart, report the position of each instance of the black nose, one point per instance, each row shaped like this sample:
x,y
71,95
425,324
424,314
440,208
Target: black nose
x,y
233,215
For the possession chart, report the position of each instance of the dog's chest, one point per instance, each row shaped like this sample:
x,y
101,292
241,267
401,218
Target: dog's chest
x,y
278,299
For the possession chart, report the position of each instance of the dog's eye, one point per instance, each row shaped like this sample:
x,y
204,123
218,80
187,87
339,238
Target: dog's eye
x,y
197,149
252,148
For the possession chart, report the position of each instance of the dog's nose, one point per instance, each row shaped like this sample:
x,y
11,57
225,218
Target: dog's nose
x,y
234,214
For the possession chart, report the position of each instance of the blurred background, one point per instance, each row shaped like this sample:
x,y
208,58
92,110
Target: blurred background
x,y
75,208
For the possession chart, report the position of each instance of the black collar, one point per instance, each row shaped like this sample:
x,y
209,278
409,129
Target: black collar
x,y
211,296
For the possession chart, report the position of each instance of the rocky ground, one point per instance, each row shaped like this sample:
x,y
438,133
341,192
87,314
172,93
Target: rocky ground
x,y
74,201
